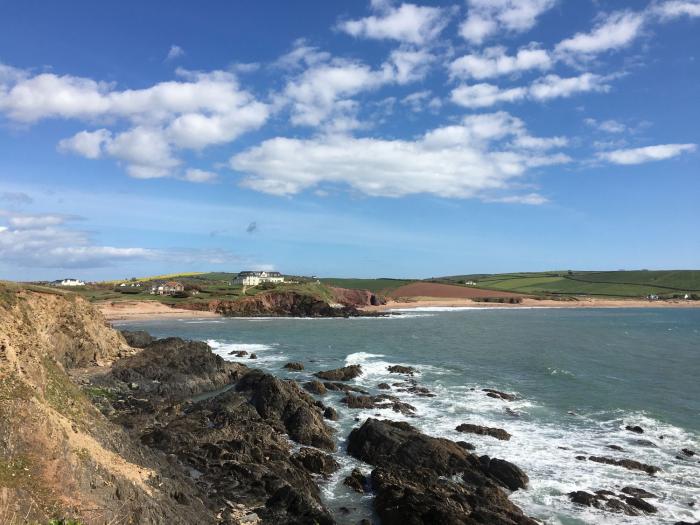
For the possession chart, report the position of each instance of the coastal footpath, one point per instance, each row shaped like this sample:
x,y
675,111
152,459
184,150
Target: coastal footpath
x,y
103,427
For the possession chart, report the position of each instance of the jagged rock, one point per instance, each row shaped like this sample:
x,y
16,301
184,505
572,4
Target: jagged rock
x,y
506,473
315,387
635,428
330,413
399,369
384,386
380,401
294,366
253,356
629,464
688,452
342,387
137,338
356,481
640,504
497,394
606,500
497,433
638,493
285,401
316,462
238,353
465,445
340,374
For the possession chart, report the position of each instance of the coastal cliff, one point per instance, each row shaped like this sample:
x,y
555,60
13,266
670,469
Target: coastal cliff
x,y
104,427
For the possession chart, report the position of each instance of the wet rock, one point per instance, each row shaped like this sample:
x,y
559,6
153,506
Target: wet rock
x,y
638,493
341,374
497,394
645,443
358,401
686,523
497,433
137,338
629,464
581,497
330,413
399,369
356,481
384,386
616,447
285,401
504,472
316,462
253,356
294,366
615,505
465,445
342,387
315,387
238,353
380,401
688,452
635,428
640,504
604,500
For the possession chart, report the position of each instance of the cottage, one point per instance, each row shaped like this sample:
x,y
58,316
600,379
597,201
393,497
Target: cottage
x,y
167,288
255,278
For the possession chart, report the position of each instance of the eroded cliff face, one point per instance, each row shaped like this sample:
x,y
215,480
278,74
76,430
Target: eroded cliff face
x,y
357,298
59,456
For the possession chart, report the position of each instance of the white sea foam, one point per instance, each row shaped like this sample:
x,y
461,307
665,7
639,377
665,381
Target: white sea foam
x,y
264,352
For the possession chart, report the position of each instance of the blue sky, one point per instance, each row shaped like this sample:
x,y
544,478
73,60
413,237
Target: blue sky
x,y
348,138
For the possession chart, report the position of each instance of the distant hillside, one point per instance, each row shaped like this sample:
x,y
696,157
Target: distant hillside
x,y
637,283
380,285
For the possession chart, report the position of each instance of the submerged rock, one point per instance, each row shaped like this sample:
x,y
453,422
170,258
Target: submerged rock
x,y
345,373
497,433
497,394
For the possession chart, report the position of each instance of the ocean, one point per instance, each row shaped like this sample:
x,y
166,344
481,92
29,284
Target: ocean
x,y
581,376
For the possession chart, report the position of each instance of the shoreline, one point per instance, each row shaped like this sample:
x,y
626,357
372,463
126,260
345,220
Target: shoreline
x,y
147,311
587,302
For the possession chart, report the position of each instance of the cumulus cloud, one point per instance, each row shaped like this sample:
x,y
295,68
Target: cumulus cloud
x,y
609,126
646,154
615,31
408,23
546,88
494,61
479,156
485,18
197,175
677,8
197,111
174,52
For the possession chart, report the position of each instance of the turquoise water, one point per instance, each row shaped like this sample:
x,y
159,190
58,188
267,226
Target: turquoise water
x,y
581,375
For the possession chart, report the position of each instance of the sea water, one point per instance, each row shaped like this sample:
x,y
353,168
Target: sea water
x,y
581,376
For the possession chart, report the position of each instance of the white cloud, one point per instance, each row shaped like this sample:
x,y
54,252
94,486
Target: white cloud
x,y
86,143
609,126
43,241
479,156
197,175
615,31
145,151
175,52
545,88
410,65
485,18
534,199
677,8
494,61
408,23
646,154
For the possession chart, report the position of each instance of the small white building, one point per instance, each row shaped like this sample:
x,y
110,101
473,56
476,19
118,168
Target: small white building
x,y
69,282
256,278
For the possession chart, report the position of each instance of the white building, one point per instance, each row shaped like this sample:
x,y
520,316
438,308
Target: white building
x,y
256,278
69,282
167,288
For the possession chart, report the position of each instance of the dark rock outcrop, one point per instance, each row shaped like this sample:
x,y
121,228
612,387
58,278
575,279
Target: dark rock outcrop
x,y
316,462
137,338
497,433
635,428
345,373
380,401
637,492
497,394
315,387
357,481
629,464
399,369
330,413
278,304
294,366
608,501
507,474
342,387
384,386
412,479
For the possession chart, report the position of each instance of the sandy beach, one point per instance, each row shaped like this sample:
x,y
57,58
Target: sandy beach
x,y
146,310
426,302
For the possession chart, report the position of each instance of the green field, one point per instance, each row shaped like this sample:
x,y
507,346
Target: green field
x,y
639,283
383,284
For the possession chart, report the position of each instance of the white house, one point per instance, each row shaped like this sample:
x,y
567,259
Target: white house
x,y
69,282
168,288
256,278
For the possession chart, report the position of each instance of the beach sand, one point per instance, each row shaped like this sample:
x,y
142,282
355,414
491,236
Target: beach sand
x,y
145,311
588,302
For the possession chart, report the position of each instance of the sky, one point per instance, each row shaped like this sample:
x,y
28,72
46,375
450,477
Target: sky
x,y
348,138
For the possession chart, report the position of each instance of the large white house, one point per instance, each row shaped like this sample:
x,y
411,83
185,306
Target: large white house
x,y
69,282
256,278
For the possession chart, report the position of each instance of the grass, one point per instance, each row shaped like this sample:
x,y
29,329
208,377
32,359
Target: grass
x,y
13,471
62,394
611,284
